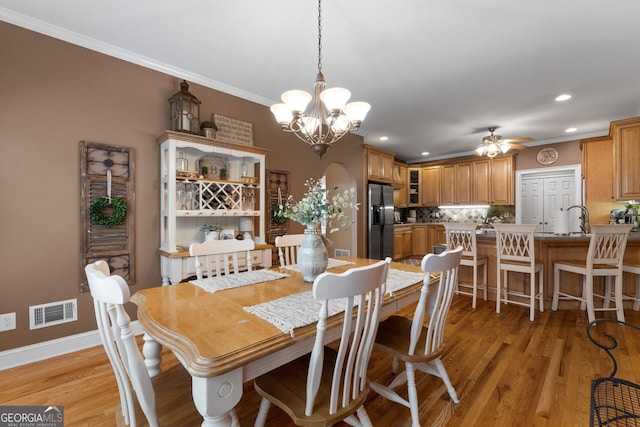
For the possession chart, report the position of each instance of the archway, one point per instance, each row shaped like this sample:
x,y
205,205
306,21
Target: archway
x,y
345,242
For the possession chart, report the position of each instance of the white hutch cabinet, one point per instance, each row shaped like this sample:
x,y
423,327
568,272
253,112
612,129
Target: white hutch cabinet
x,y
233,192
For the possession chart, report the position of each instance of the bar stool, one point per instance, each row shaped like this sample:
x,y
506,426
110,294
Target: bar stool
x,y
633,268
464,234
516,252
604,258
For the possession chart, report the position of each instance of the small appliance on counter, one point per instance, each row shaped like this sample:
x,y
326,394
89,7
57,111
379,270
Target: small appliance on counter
x,y
412,216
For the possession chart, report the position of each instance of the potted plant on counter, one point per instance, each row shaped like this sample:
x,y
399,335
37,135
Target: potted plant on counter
x,y
211,231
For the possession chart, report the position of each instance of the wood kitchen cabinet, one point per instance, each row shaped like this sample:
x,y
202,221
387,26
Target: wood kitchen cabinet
x,y
420,240
626,158
431,183
399,184
402,242
379,165
414,187
599,191
456,184
493,181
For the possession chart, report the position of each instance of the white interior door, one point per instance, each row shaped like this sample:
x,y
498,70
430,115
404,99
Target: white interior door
x,y
543,192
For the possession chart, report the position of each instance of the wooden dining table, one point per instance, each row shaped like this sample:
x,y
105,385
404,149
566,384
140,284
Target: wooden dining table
x,y
223,346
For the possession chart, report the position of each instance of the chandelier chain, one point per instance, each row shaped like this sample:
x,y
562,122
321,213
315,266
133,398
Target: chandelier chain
x,y
319,36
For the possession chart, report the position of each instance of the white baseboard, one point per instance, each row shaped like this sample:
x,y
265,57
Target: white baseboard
x,y
48,349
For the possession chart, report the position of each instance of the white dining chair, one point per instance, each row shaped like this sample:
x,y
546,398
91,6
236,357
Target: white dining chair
x,y
417,345
604,259
329,385
516,253
216,257
464,234
166,396
288,246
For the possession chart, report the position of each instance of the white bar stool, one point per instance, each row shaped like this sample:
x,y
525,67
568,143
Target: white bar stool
x,y
516,252
604,258
464,234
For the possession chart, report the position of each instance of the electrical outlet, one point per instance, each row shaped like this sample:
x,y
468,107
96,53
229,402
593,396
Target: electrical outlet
x,y
7,322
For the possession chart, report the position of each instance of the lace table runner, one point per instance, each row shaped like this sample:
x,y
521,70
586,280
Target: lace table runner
x,y
298,310
214,284
331,264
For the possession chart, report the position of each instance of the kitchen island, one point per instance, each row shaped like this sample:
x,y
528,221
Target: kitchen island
x,y
552,248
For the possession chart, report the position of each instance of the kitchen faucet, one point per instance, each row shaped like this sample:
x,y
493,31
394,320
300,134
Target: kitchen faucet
x,y
584,219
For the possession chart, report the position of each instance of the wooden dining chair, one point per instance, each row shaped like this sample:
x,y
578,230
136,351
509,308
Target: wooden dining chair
x,y
417,345
464,234
164,399
216,257
516,253
288,248
331,385
604,259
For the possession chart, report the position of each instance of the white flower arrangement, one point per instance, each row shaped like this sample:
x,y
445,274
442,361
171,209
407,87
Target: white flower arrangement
x,y
315,207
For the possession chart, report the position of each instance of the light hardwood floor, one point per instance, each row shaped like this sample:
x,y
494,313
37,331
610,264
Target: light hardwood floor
x,y
507,371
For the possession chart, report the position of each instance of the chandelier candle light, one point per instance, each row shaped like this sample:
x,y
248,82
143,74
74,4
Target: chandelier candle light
x,y
331,117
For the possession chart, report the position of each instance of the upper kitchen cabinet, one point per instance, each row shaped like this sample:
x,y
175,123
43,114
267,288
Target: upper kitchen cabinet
x,y
414,185
493,181
502,186
399,184
456,184
626,158
597,164
431,186
379,165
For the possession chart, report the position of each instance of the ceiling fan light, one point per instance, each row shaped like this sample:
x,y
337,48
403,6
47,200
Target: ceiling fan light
x,y
480,150
282,114
335,98
296,100
504,147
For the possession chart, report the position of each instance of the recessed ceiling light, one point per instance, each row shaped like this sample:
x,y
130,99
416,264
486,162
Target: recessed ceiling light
x,y
563,97
425,153
571,129
384,138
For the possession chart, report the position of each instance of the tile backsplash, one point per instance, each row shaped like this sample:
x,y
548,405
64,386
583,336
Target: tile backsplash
x,y
477,215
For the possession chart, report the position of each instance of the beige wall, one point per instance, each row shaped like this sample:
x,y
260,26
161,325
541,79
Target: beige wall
x,y
54,95
569,153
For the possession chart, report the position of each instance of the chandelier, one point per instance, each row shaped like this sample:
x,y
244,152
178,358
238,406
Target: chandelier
x,y
331,117
492,145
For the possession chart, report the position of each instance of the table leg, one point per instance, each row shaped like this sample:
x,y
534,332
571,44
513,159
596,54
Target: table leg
x,y
151,350
216,398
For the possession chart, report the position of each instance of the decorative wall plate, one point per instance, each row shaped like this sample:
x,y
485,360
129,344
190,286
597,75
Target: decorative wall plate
x,y
547,156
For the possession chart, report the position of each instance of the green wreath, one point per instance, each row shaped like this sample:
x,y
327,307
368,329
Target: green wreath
x,y
279,214
119,211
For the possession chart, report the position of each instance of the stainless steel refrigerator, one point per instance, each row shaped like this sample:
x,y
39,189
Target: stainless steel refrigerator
x,y
380,221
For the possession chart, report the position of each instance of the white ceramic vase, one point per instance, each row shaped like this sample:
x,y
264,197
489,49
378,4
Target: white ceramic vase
x,y
212,235
312,256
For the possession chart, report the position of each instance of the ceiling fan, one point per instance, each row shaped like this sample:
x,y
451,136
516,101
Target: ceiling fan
x,y
492,145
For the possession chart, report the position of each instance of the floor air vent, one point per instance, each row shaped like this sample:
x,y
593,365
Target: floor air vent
x,y
53,313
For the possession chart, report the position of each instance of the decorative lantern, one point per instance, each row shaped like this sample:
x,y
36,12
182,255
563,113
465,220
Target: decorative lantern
x,y
184,111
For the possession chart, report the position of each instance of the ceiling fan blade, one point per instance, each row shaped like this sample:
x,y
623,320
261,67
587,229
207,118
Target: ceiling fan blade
x,y
514,146
517,140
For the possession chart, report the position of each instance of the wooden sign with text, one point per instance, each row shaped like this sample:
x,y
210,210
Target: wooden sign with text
x,y
233,131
